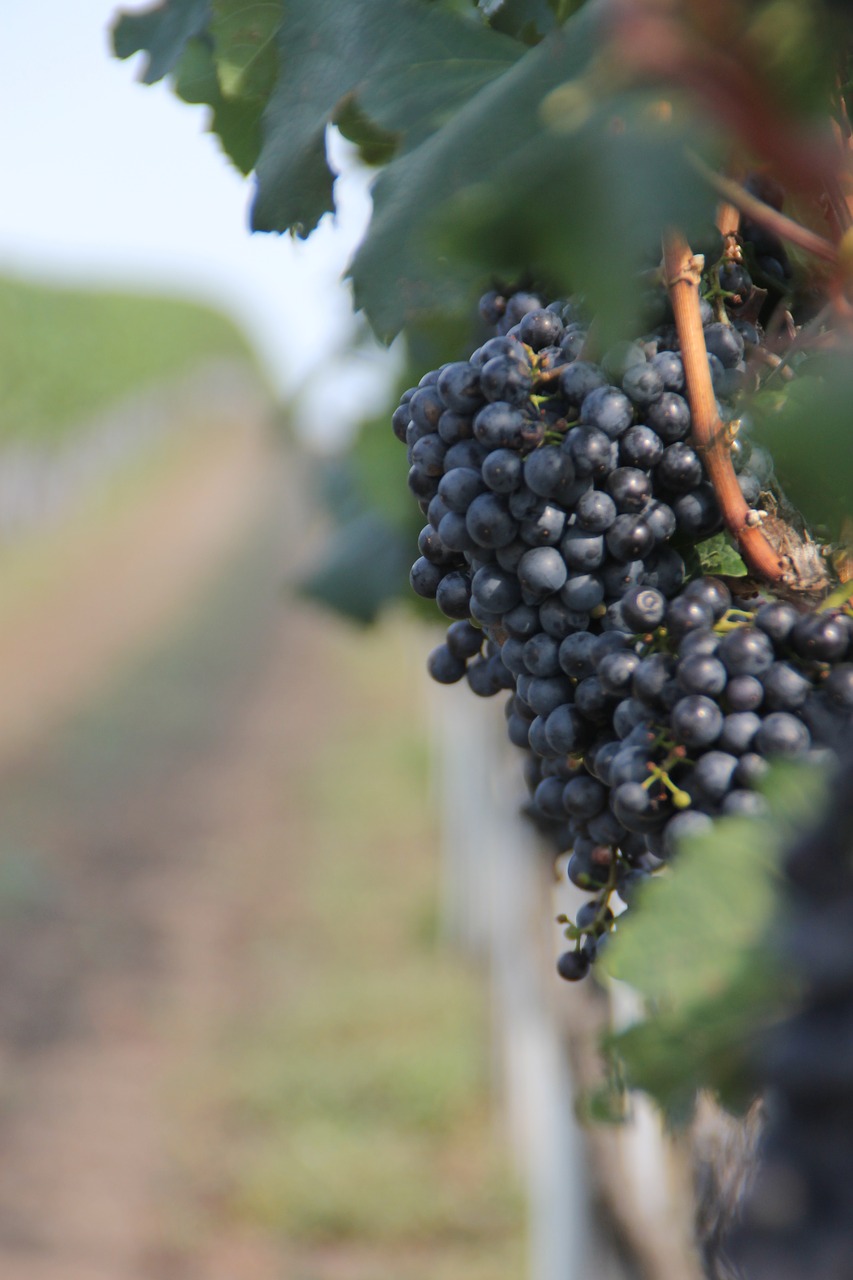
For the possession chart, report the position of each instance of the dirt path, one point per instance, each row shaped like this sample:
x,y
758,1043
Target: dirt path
x,y
75,603
154,839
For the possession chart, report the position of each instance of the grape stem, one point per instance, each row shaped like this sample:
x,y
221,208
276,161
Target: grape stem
x,y
683,275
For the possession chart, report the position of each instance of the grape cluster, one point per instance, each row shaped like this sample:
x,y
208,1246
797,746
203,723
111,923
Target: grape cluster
x,y
797,1220
555,488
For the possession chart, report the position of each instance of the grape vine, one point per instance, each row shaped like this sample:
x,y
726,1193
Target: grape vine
x,y
634,499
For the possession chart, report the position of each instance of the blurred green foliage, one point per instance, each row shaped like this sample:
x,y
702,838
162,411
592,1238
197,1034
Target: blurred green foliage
x,y
69,353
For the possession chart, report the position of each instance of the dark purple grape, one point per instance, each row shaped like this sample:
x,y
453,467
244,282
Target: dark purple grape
x,y
619,578
566,730
453,595
431,546
487,676
421,484
696,721
546,693
541,655
582,551
679,469
582,592
575,655
522,622
453,532
558,620
541,571
592,702
455,427
684,614
643,384
400,421
738,732
669,417
777,620
630,488
591,451
584,797
459,387
499,425
725,343
425,577
460,487
492,306
609,410
488,521
669,365
744,693
782,734
820,637
643,608
573,965
579,379
629,538
785,688
713,774
545,527
653,678
746,651
465,453
549,471
426,407
548,797
616,671
540,329
699,673
711,592
595,511
519,304
444,666
640,447
496,589
502,470
505,379
839,686
664,568
463,640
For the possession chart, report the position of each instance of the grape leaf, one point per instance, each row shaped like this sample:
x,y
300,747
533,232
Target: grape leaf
x,y
698,950
244,38
533,170
365,565
807,431
527,20
163,33
236,122
408,65
719,555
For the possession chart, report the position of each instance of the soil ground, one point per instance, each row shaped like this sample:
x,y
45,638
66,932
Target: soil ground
x,y
229,1046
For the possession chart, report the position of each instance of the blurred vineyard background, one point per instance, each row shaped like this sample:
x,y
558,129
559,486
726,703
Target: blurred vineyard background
x,y
233,1041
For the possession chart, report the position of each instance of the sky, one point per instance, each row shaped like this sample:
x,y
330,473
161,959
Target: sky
x,y
110,182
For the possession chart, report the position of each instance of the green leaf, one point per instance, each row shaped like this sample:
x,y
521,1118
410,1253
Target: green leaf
x,y
244,38
807,431
708,1045
539,169
163,33
365,566
699,950
527,20
236,122
693,921
720,555
408,65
